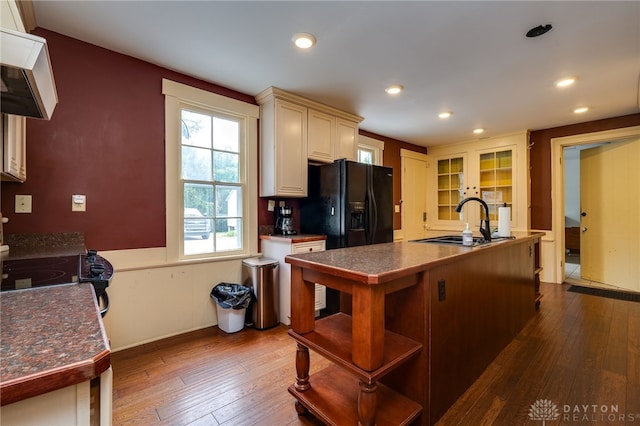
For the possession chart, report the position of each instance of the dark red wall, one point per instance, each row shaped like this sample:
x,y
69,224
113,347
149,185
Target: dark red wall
x,y
540,161
105,140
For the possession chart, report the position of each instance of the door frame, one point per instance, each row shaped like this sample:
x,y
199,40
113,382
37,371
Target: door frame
x,y
557,179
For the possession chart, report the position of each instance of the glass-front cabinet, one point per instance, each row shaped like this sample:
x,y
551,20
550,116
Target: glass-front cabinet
x,y
496,180
450,186
494,169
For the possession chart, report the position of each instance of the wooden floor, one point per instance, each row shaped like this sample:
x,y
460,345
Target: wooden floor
x,y
579,351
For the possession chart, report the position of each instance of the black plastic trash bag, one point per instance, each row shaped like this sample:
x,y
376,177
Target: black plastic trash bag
x,y
234,296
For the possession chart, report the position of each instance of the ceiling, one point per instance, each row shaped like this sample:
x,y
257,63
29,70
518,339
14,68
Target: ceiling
x,y
471,58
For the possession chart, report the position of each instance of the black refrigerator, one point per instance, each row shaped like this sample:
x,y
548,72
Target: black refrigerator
x,y
352,204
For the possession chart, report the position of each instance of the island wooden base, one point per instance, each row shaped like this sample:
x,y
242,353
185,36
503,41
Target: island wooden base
x,y
333,398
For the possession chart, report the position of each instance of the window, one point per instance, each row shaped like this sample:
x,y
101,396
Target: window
x,y
370,150
210,178
211,144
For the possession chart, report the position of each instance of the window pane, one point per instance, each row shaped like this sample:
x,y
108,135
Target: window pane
x,y
196,129
231,239
199,197
196,163
365,156
226,135
225,167
228,201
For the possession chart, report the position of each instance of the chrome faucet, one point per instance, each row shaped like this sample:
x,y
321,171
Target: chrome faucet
x,y
486,231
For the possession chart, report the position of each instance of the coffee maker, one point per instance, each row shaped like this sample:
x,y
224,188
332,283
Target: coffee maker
x,y
284,221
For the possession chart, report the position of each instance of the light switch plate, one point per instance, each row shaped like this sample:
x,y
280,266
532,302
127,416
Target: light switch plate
x,y
23,203
271,205
78,203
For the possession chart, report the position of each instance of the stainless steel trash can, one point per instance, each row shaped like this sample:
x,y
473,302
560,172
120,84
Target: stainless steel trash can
x,y
261,275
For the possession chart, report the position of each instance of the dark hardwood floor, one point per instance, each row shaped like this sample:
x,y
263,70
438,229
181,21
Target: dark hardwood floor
x,y
579,351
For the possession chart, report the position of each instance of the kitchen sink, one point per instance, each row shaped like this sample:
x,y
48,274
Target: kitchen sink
x,y
455,240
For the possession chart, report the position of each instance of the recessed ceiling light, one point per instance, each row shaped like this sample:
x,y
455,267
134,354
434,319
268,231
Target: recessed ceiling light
x,y
581,110
445,114
394,89
304,40
566,82
478,131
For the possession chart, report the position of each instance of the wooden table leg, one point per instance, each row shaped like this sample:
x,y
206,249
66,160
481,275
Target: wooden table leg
x,y
303,294
367,404
302,368
368,326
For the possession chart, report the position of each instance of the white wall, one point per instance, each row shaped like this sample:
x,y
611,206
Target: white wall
x,y
151,299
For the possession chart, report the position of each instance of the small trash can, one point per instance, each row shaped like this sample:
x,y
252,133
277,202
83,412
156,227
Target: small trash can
x,y
232,301
260,274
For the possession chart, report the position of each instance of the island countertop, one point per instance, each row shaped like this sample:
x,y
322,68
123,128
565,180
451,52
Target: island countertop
x,y
379,263
51,337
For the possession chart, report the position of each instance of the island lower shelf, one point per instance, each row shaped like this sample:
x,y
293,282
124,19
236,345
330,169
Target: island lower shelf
x,y
331,338
333,393
333,398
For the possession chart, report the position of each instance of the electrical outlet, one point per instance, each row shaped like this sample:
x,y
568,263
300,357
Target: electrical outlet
x,y
23,203
271,205
442,291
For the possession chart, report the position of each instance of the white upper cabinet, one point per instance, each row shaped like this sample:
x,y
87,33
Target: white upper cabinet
x,y
321,136
346,140
495,170
295,130
283,149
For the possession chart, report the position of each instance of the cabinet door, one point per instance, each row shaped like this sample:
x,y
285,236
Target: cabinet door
x,y
451,177
346,145
320,136
14,147
496,180
451,186
291,149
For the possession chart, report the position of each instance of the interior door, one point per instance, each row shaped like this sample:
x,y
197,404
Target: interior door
x,y
414,196
609,222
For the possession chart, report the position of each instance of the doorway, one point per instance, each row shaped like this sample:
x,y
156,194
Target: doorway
x,y
563,218
572,210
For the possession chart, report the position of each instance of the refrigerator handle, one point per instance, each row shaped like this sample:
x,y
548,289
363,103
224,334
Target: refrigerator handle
x,y
372,207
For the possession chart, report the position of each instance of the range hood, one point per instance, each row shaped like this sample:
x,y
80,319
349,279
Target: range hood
x,y
27,86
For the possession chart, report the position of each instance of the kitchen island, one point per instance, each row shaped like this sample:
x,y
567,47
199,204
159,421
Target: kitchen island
x,y
419,324
55,365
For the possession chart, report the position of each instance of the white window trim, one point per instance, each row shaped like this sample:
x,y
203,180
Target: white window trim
x,y
375,145
177,95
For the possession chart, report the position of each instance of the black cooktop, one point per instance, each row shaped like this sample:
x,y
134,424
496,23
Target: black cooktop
x,y
39,272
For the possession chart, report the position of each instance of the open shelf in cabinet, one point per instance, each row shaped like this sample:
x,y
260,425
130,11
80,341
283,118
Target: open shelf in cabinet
x,y
333,398
331,338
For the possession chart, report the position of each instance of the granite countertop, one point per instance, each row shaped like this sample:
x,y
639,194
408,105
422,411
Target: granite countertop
x,y
50,338
378,263
293,239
